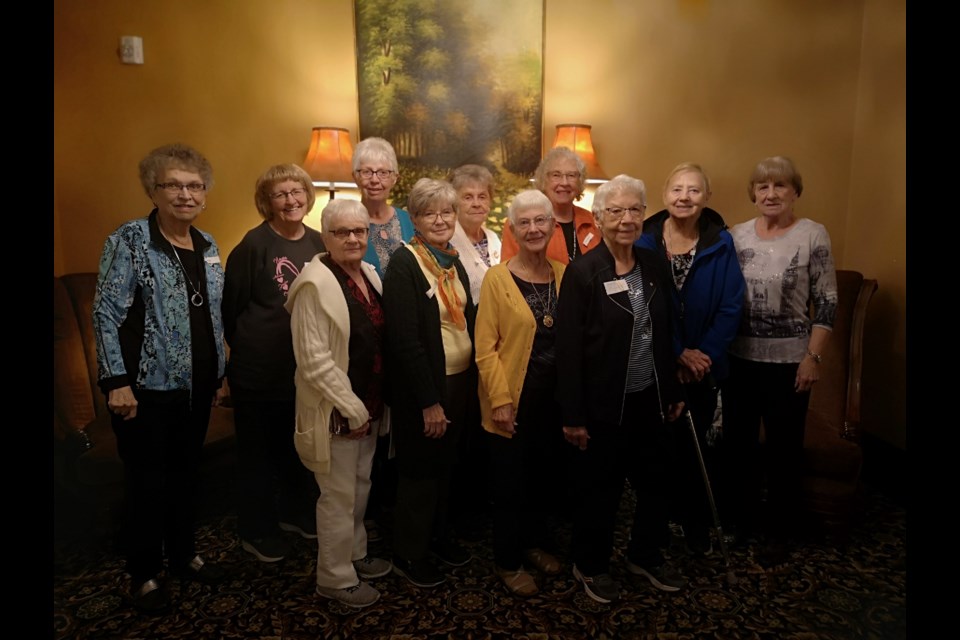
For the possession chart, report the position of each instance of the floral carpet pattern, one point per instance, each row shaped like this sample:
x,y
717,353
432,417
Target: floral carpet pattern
x,y
824,591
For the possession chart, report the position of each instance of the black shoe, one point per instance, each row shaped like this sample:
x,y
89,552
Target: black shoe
x,y
305,526
420,573
664,577
151,597
451,553
205,572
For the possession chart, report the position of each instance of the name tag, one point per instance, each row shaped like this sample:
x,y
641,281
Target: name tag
x,y
587,239
213,260
615,286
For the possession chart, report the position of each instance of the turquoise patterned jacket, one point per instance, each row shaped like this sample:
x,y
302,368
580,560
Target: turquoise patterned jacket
x,y
138,261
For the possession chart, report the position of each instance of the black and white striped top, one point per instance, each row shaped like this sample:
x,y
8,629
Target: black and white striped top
x,y
640,364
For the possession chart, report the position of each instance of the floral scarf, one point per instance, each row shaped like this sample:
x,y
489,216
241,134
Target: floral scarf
x,y
442,264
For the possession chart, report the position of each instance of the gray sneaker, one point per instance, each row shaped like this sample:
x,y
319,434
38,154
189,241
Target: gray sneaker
x,y
601,587
358,596
664,577
369,568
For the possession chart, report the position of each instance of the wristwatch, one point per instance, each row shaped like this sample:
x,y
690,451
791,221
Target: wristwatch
x,y
816,356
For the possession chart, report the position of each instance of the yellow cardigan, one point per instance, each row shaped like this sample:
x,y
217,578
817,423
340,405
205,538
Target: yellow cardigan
x,y
504,339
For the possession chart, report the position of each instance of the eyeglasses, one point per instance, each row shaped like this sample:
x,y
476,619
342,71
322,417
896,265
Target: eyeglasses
x,y
383,174
558,176
616,213
343,234
282,195
174,188
431,216
540,222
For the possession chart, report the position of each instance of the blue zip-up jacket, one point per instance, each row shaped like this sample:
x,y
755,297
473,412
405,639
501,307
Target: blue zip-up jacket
x,y
708,308
140,275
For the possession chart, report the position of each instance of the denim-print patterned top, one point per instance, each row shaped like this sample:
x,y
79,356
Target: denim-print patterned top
x,y
139,271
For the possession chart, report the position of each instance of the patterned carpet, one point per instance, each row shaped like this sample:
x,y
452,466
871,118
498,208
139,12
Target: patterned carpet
x,y
854,590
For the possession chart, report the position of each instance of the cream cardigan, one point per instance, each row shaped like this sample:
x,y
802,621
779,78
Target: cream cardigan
x,y
470,257
504,341
320,323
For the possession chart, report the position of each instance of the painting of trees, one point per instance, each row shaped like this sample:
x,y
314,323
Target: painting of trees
x,y
449,82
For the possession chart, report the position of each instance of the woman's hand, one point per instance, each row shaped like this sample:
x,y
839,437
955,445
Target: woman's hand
x,y
577,436
434,421
122,402
808,372
357,434
674,411
503,418
696,363
222,394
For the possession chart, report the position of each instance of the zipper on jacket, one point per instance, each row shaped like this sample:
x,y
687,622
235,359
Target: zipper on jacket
x,y
656,378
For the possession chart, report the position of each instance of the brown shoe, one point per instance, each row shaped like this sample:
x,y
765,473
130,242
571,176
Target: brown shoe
x,y
543,561
519,582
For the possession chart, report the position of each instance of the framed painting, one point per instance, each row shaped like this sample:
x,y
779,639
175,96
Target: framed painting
x,y
453,82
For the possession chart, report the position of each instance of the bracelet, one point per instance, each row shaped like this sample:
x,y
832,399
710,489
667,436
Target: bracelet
x,y
816,356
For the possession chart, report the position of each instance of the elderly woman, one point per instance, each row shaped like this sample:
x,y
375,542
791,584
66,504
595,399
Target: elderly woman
x,y
337,323
516,359
276,492
619,393
160,353
562,176
430,323
479,248
775,358
376,171
707,295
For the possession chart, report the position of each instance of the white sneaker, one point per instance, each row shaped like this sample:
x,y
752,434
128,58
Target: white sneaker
x,y
369,568
358,596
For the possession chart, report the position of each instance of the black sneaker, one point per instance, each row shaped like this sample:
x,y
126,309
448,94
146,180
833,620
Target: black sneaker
x,y
201,571
151,597
267,549
420,573
451,553
600,587
664,577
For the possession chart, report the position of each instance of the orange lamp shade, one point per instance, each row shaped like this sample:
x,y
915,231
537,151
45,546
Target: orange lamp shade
x,y
577,137
330,157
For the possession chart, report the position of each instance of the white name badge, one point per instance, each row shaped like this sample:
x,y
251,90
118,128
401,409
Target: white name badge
x,y
213,260
432,291
615,286
586,240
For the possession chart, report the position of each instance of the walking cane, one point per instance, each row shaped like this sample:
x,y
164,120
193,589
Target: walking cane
x,y
731,576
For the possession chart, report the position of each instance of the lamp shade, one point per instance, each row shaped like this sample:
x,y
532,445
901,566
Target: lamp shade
x,y
578,138
330,157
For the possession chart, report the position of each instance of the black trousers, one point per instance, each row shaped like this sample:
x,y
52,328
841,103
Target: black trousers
x,y
525,476
425,470
274,485
763,392
161,449
639,449
690,505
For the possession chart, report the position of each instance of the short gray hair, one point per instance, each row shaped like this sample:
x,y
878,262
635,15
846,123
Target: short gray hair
x,y
427,191
173,156
554,155
373,149
620,184
337,209
526,200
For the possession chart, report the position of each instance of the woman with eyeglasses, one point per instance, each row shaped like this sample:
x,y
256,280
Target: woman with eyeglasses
x,y
337,322
619,394
376,171
562,176
433,378
707,295
160,354
516,359
275,492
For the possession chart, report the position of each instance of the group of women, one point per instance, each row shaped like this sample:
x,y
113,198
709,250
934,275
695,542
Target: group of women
x,y
373,341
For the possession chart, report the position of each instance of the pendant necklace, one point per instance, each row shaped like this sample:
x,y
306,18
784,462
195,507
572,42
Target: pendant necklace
x,y
196,299
547,316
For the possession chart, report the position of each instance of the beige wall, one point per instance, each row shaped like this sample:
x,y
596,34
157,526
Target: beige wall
x,y
662,81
